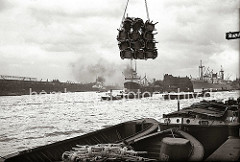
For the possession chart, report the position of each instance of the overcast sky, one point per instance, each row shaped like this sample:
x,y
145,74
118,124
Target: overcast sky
x,y
76,39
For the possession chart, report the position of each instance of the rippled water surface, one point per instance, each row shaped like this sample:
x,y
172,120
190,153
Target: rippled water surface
x,y
30,121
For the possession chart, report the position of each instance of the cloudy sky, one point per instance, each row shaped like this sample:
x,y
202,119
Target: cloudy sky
x,y
76,39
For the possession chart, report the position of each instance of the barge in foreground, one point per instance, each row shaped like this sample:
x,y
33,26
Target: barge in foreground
x,y
210,122
168,145
126,132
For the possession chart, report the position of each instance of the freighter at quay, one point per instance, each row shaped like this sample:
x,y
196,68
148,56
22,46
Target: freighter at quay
x,y
210,80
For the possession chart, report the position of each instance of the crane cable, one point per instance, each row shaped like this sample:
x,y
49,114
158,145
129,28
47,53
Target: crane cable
x,y
147,10
126,10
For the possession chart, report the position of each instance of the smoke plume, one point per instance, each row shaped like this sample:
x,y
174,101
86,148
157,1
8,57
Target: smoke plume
x,y
90,70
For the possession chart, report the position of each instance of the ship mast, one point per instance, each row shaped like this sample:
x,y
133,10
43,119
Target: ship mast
x,y
132,69
131,64
201,70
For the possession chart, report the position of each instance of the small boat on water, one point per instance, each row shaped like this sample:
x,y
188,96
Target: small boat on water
x,y
123,95
210,122
111,98
124,132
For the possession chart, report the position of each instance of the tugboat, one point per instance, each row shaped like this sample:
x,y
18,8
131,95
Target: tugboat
x,y
135,87
110,96
210,122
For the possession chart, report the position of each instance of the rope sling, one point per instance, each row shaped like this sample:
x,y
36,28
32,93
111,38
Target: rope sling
x,y
136,38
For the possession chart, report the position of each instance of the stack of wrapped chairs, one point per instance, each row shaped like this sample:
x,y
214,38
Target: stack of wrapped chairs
x,y
136,39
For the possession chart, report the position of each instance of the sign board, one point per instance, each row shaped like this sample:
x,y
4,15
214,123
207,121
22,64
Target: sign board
x,y
232,35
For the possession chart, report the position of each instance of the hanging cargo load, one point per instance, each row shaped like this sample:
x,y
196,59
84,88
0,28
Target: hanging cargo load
x,y
136,38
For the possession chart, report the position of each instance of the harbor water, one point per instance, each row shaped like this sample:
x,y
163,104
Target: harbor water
x,y
33,120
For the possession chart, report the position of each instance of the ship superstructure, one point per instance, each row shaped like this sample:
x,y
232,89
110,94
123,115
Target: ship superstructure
x,y
98,86
132,79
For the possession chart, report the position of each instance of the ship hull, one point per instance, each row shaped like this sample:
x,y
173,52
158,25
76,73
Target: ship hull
x,y
132,85
207,85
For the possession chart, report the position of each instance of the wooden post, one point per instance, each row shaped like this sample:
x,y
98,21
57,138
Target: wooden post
x,y
238,100
178,105
178,100
111,94
239,67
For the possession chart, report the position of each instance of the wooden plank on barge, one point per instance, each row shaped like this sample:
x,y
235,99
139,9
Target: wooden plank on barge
x,y
228,151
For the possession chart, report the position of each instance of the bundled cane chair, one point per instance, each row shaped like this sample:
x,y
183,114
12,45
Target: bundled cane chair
x,y
127,53
122,35
150,54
